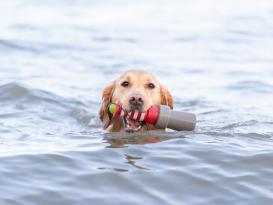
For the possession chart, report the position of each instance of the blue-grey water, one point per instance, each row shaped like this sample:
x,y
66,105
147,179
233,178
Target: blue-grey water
x,y
216,57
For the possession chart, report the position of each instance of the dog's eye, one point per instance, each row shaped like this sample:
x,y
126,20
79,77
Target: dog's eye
x,y
151,85
125,84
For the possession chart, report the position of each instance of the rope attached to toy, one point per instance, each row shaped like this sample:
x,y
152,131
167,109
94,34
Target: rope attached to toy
x,y
118,111
150,116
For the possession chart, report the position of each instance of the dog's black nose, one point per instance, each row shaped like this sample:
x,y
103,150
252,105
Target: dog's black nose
x,y
136,101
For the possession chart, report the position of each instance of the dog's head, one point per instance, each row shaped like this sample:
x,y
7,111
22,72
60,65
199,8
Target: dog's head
x,y
135,90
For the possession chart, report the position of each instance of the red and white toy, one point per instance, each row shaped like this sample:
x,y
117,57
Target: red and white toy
x,y
160,116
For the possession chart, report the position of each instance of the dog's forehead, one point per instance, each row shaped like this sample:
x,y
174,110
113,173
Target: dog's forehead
x,y
137,75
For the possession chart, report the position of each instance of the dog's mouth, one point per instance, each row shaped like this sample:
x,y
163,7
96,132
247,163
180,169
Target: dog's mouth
x,y
132,125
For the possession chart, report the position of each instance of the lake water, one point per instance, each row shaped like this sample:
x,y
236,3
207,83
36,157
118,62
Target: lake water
x,y
216,57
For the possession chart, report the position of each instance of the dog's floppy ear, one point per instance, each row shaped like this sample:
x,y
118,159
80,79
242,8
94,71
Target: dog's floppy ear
x,y
104,113
166,97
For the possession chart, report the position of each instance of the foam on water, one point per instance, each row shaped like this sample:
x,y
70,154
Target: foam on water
x,y
214,57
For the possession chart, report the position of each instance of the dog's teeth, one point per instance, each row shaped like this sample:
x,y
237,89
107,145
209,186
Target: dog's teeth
x,y
129,126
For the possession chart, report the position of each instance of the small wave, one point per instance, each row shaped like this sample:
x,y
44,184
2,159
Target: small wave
x,y
107,39
240,124
191,103
12,90
84,117
38,47
4,45
31,107
15,91
255,86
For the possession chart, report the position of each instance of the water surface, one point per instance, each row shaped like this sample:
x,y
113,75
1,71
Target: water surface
x,y
56,58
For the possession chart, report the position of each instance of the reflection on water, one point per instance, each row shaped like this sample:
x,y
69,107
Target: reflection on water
x,y
131,160
119,140
214,57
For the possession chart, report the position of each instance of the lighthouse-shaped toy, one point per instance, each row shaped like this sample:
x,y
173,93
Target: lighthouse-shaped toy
x,y
160,116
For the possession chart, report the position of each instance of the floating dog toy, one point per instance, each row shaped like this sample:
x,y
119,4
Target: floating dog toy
x,y
160,116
